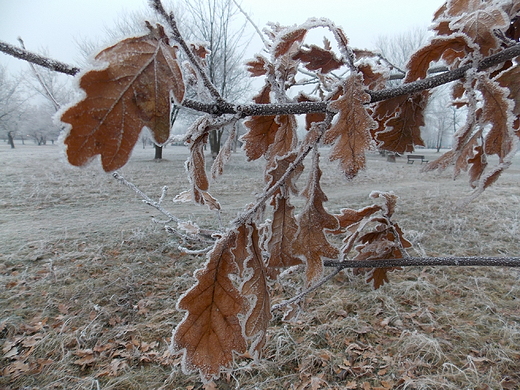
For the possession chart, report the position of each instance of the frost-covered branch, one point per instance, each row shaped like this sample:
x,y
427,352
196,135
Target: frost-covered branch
x,y
37,59
207,234
427,261
222,107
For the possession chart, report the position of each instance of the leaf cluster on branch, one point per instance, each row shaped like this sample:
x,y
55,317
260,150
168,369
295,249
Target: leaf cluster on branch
x,y
342,92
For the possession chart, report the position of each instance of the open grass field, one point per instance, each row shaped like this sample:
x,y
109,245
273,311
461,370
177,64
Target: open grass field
x,y
88,282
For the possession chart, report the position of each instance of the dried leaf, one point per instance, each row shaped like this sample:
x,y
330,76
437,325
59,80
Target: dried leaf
x,y
278,167
312,117
478,165
255,288
404,129
282,234
510,79
269,135
257,66
465,152
223,157
480,26
390,201
316,58
372,79
123,98
261,134
459,7
287,40
351,131
349,217
310,241
496,111
448,48
211,331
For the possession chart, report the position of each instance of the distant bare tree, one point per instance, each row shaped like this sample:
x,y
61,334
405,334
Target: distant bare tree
x,y
212,22
11,100
397,49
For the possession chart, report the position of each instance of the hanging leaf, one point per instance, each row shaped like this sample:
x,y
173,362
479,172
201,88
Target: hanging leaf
x,y
258,66
349,217
277,169
255,288
261,135
131,92
496,111
478,165
270,136
351,131
372,79
404,129
211,332
282,234
511,79
310,241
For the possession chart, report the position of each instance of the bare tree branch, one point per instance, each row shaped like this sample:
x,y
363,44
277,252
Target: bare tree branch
x,y
222,107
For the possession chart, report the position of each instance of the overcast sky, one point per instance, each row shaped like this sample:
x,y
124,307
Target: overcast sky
x,y
57,25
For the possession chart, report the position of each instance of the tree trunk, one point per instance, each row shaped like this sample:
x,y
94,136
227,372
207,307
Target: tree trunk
x,y
10,139
214,142
158,152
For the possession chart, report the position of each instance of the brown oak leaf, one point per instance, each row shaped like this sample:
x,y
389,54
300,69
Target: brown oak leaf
x,y
131,92
310,241
312,117
271,135
257,66
349,217
316,58
403,130
351,131
481,25
255,288
211,331
282,234
497,112
287,40
478,165
448,48
511,79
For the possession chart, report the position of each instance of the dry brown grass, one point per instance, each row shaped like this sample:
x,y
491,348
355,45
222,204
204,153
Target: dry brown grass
x,y
89,284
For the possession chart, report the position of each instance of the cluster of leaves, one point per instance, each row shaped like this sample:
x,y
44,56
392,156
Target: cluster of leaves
x,y
228,309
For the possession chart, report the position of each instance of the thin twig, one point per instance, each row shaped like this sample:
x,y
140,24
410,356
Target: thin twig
x,y
172,22
307,291
146,198
42,82
251,22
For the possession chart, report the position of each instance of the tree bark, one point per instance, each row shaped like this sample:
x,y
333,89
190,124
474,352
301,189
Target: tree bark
x,y
10,139
158,152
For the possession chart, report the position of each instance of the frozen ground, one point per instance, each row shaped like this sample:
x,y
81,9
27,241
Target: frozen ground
x,y
86,274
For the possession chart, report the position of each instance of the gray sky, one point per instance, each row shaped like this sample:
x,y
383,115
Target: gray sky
x,y
57,25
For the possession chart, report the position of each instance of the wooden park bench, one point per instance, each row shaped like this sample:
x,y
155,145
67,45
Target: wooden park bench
x,y
413,157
